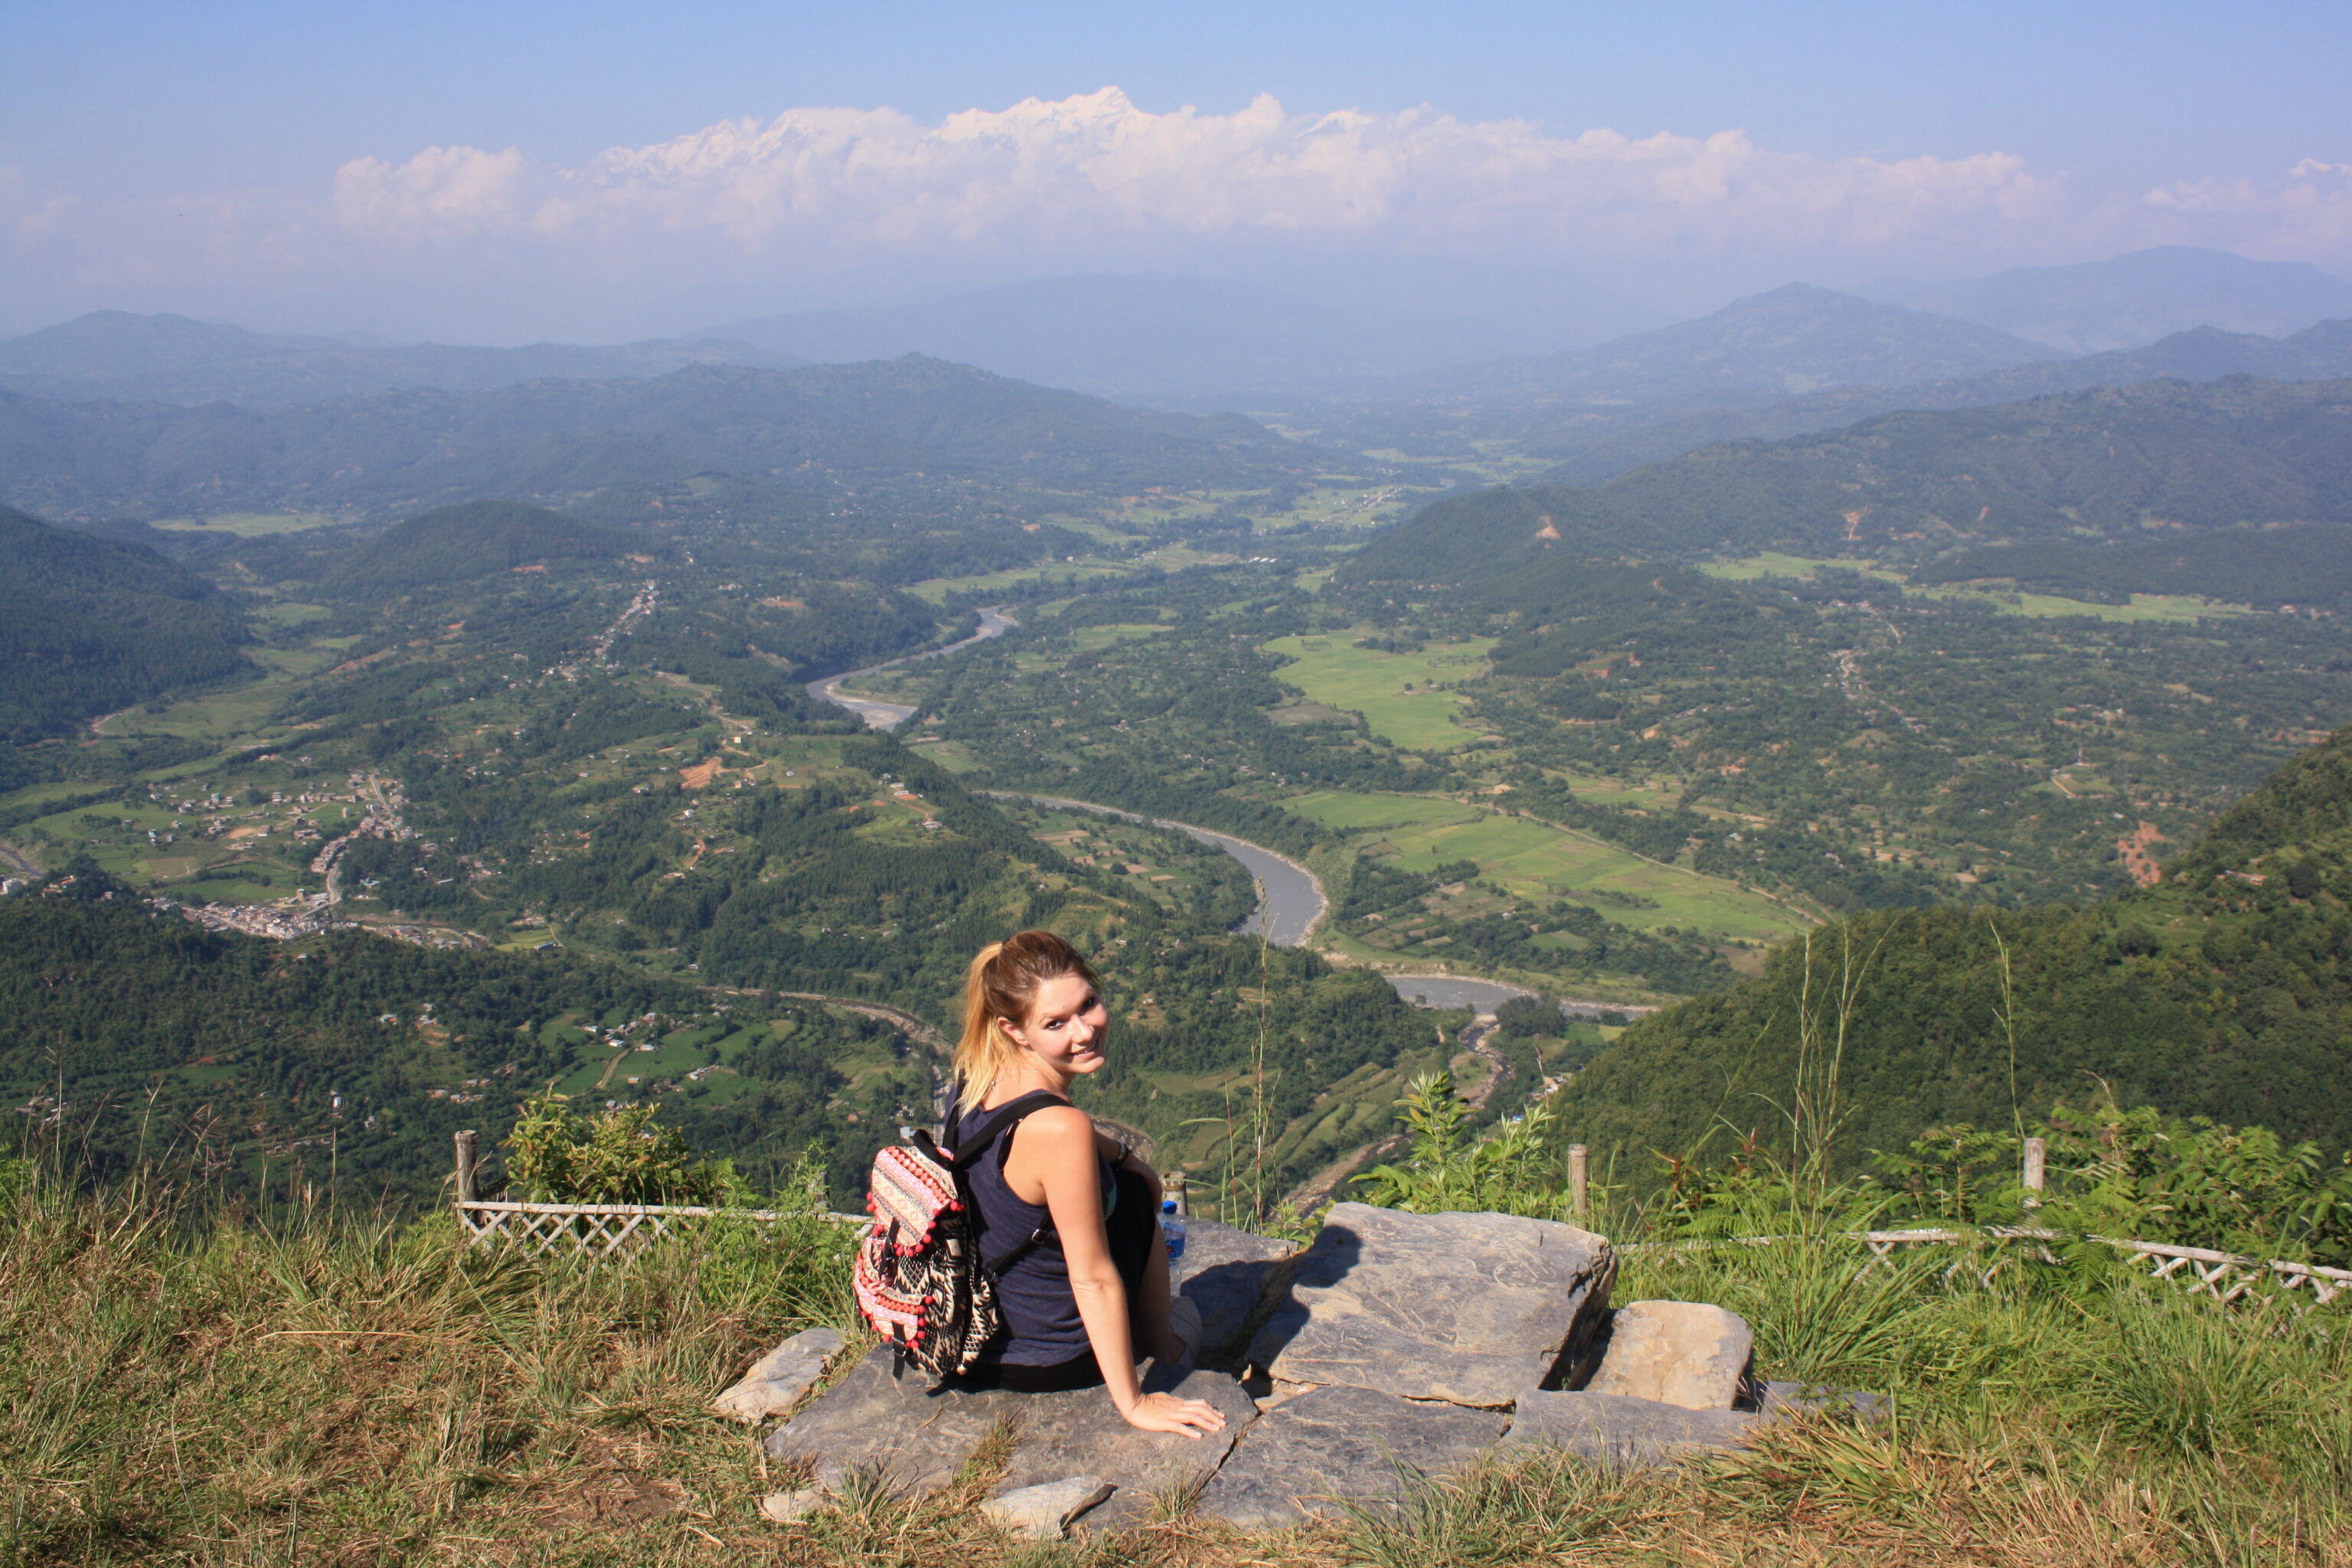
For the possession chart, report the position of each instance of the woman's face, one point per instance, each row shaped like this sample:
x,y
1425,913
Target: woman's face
x,y
1066,1027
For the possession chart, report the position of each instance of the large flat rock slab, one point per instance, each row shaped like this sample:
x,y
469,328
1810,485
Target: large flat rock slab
x,y
1677,1352
1620,1432
917,1439
1336,1445
1466,1307
1225,1272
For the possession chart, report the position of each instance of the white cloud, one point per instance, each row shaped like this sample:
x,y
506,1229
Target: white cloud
x,y
439,192
741,209
1096,166
2308,215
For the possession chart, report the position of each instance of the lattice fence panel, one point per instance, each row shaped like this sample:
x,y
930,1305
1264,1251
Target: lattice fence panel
x,y
598,1231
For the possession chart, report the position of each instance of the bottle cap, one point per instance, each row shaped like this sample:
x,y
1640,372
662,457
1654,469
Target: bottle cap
x,y
1168,1205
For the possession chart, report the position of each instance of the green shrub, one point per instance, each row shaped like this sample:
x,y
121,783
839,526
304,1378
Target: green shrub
x,y
613,1156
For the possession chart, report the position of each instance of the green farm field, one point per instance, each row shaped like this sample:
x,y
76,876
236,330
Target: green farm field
x,y
255,524
937,590
1406,697
1534,860
2008,600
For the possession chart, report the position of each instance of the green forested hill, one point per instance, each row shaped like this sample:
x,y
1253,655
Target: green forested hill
x,y
1790,340
89,625
460,543
1597,446
2225,991
2306,564
357,1056
2110,462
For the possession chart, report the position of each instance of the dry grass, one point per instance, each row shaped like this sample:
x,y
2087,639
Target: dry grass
x,y
357,1394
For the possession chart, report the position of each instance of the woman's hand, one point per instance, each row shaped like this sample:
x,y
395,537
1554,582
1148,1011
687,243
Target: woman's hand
x,y
1194,1418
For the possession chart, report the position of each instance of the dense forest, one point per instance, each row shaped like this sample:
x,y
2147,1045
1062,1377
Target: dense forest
x,y
89,625
353,1059
2225,992
459,545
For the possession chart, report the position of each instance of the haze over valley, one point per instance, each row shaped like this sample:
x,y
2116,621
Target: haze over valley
x,y
1978,623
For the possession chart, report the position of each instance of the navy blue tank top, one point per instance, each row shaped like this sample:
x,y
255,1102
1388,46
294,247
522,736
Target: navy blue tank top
x,y
1042,1326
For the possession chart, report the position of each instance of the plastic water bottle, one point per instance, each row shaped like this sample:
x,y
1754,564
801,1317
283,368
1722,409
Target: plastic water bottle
x,y
1172,1227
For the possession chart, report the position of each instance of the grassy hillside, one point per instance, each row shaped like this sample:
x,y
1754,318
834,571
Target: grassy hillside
x,y
90,625
2224,991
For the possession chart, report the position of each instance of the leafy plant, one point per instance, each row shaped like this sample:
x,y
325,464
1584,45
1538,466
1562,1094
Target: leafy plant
x,y
615,1156
1448,1169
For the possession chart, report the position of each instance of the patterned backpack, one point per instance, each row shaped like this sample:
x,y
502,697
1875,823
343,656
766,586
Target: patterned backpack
x,y
920,1279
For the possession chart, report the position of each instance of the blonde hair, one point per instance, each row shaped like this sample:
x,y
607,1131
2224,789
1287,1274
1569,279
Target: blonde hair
x,y
1001,983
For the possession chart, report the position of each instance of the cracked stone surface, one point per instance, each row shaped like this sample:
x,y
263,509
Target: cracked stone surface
x,y
1677,1352
1623,1432
917,1440
1466,1307
1336,1443
1224,1273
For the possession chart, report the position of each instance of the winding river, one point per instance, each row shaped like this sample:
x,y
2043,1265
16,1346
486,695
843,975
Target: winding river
x,y
1291,899
993,623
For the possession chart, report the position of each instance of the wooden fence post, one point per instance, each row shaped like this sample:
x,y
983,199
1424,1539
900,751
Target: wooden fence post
x,y
466,1193
2037,1156
1576,1189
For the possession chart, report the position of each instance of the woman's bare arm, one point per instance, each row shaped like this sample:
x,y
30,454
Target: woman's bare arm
x,y
1055,1149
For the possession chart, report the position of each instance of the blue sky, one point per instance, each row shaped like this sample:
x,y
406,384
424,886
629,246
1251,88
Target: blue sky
x,y
278,163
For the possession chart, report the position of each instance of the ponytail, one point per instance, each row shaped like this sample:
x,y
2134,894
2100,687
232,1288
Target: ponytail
x,y
1001,983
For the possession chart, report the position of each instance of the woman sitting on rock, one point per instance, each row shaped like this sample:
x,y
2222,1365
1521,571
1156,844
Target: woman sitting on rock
x,y
1082,1305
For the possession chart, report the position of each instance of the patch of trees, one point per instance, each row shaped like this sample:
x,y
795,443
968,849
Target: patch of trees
x,y
2226,992
90,625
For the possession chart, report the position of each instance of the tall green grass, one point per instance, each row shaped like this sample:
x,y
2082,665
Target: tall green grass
x,y
184,1384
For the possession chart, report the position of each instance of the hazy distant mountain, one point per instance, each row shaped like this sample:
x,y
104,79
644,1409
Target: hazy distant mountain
x,y
1794,340
171,359
2110,462
2128,301
803,431
1593,448
1159,342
